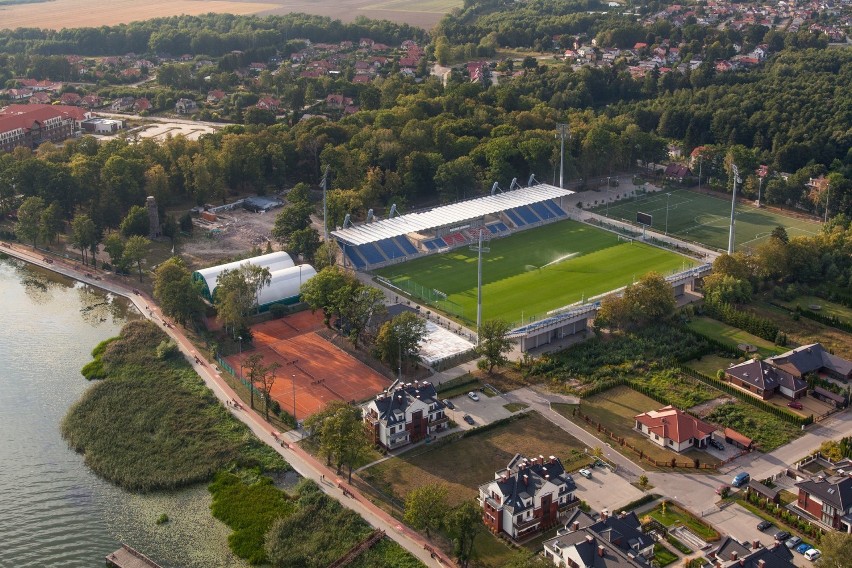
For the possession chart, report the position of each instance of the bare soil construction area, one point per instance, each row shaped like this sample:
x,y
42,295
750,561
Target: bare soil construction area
x,y
58,14
234,233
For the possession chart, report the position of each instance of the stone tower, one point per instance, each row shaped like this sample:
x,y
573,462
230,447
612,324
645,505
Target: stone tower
x,y
153,217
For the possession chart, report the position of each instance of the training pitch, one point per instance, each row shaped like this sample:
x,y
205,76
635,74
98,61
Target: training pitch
x,y
706,219
533,271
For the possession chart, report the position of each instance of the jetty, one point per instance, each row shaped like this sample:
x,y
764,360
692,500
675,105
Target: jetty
x,y
129,557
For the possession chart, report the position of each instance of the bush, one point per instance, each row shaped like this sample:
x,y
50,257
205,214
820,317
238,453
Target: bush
x,y
278,310
94,370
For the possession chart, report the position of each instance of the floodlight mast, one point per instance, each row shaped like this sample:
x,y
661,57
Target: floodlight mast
x,y
479,249
562,128
731,235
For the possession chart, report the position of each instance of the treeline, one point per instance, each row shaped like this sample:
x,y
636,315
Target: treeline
x,y
734,316
209,34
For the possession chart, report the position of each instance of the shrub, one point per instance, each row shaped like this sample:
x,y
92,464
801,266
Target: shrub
x,y
162,519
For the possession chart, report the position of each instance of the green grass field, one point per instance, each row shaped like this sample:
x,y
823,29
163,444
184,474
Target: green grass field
x,y
705,218
537,270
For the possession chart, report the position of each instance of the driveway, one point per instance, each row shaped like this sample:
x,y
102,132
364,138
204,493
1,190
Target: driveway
x,y
484,411
605,490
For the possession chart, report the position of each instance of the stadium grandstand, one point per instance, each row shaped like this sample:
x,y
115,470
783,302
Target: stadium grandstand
x,y
379,243
285,284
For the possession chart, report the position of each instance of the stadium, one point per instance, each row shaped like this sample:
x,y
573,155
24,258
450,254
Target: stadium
x,y
541,270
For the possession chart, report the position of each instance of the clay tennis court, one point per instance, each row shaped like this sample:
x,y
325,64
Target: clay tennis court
x,y
321,371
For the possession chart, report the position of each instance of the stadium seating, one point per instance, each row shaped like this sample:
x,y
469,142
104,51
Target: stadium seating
x,y
543,211
454,239
370,253
558,211
515,218
527,214
390,249
405,245
435,244
354,257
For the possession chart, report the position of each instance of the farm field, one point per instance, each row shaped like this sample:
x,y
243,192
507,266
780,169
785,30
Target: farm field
x,y
705,218
536,270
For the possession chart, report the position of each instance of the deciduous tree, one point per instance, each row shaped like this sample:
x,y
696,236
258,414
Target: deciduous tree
x,y
28,228
135,251
426,507
399,339
493,344
175,291
83,233
463,524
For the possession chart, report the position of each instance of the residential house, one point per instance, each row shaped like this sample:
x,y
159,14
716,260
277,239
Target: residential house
x,y
185,106
527,497
91,101
673,429
122,104
268,103
337,102
215,96
733,554
829,500
40,98
609,542
812,358
677,172
405,413
361,78
764,380
19,94
70,99
142,104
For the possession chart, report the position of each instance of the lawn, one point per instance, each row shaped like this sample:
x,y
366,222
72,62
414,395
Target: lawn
x,y
533,271
709,364
663,556
615,410
804,331
482,455
733,335
826,307
675,515
706,218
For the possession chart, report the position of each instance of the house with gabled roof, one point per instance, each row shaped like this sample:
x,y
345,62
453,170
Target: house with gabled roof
x,y
733,554
607,542
527,496
763,380
828,500
813,358
674,429
405,413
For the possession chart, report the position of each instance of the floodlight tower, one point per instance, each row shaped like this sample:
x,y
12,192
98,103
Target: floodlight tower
x,y
324,186
733,207
479,249
562,128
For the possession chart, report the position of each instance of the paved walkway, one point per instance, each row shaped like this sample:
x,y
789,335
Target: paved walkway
x,y
305,464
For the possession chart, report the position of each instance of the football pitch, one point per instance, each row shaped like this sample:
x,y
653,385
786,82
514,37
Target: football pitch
x,y
531,272
705,219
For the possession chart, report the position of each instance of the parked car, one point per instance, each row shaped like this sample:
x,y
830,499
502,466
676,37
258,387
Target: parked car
x,y
781,536
587,473
473,396
449,404
721,489
717,444
804,547
795,404
741,479
763,525
812,554
792,542
469,419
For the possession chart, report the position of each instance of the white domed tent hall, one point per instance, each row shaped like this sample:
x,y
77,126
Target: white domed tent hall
x,y
284,287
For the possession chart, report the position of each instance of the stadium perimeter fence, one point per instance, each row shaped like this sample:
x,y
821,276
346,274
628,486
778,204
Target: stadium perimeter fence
x,y
429,296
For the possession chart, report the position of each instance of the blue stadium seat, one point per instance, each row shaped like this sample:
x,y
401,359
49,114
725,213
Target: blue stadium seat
x,y
371,253
515,218
390,249
430,245
527,214
354,257
435,244
493,228
557,210
543,211
405,245
501,227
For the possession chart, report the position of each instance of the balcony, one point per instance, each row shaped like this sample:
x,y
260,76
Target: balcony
x,y
372,420
568,505
442,420
524,526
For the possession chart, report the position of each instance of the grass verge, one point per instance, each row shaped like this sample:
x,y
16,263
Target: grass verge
x,y
663,556
676,515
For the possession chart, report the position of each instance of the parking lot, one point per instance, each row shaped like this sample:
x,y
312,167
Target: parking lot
x,y
605,490
486,410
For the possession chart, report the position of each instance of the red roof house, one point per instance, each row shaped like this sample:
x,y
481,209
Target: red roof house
x,y
674,429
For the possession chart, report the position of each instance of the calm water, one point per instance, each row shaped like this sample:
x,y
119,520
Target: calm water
x,y
54,512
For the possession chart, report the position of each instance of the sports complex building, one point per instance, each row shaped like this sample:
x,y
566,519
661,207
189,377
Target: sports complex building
x,y
598,261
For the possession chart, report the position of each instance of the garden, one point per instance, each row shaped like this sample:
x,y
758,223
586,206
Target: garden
x,y
668,514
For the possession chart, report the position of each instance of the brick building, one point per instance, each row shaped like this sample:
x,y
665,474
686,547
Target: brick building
x,y
30,125
405,413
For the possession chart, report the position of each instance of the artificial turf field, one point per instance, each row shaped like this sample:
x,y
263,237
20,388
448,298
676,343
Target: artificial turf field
x,y
536,270
705,219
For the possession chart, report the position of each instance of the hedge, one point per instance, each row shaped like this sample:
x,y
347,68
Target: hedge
x,y
736,317
724,386
831,321
643,500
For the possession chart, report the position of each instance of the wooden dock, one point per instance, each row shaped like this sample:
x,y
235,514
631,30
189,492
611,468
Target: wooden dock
x,y
129,557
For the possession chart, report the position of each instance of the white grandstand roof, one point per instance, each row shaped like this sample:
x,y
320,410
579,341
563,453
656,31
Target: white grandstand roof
x,y
448,214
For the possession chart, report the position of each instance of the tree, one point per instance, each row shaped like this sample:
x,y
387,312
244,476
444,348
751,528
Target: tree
x,y
83,233
257,279
51,222
836,550
426,506
175,291
650,299
726,289
28,227
326,254
114,247
356,306
319,292
267,381
294,217
305,243
463,524
643,482
234,298
135,250
255,371
398,340
493,344
831,450
135,222
340,432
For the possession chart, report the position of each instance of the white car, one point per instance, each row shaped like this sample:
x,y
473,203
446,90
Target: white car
x,y
473,396
812,554
585,473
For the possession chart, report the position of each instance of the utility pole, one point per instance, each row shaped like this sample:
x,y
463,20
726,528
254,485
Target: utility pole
x,y
479,249
827,195
700,163
563,131
731,235
667,212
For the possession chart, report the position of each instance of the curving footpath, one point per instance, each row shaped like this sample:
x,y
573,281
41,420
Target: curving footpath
x,y
305,464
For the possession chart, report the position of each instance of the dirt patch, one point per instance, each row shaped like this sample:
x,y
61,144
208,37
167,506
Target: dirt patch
x,y
233,233
702,410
